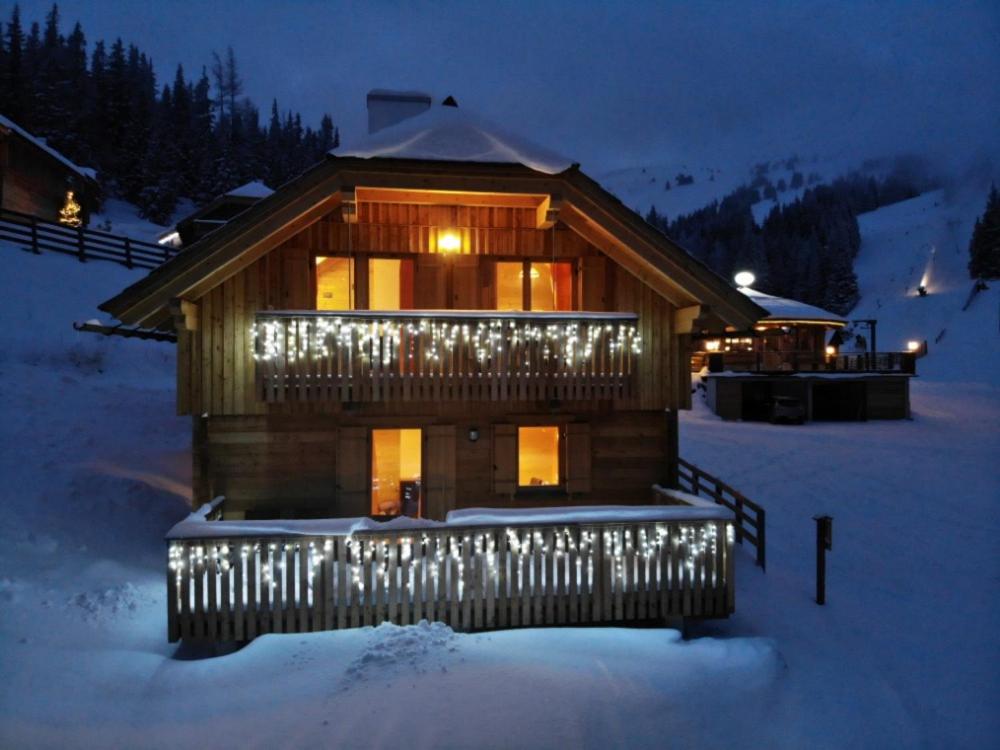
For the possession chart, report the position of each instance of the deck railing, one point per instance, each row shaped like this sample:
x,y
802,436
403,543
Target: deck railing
x,y
810,361
246,580
751,523
433,355
39,235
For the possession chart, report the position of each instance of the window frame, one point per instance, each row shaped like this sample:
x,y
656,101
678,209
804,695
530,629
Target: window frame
x,y
541,489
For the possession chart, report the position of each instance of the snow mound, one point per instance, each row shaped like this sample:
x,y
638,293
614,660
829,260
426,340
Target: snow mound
x,y
101,605
453,134
422,647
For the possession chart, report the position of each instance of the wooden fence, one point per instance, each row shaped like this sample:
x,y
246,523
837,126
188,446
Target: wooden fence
x,y
472,578
38,235
809,361
433,355
750,517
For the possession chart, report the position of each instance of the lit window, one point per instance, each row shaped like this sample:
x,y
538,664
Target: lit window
x,y
396,457
551,287
334,284
384,284
537,456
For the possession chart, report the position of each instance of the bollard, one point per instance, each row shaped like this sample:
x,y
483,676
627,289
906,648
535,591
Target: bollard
x,y
824,542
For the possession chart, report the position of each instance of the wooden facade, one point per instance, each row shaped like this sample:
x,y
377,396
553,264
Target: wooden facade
x,y
288,433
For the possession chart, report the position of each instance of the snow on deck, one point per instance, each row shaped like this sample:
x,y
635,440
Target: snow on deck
x,y
454,134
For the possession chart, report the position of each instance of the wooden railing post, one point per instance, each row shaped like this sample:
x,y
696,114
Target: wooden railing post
x,y
761,539
128,252
81,245
34,237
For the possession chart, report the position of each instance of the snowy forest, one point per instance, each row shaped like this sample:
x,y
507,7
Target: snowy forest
x,y
151,143
803,249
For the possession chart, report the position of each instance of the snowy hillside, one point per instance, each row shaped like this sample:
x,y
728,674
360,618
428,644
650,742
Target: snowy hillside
x,y
96,467
926,241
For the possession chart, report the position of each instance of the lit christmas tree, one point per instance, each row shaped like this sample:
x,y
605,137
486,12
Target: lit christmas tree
x,y
69,214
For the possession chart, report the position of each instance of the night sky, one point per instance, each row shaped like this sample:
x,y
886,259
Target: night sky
x,y
609,85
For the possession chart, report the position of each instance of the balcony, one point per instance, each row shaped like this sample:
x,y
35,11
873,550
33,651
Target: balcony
x,y
903,363
373,356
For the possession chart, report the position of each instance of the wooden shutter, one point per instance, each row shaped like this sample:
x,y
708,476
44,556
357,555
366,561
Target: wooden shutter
x,y
578,457
439,471
465,282
431,279
406,284
595,291
297,285
504,459
353,463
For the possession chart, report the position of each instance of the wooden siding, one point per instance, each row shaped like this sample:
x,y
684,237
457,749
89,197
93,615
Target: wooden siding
x,y
215,362
314,466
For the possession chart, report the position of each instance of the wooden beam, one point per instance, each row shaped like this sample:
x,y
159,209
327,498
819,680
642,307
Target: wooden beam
x,y
449,197
185,314
548,212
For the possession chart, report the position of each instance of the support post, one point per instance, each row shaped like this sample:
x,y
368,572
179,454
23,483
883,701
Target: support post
x,y
672,469
81,246
824,542
128,253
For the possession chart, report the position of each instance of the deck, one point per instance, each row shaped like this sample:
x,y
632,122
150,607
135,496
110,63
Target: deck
x,y
235,580
367,356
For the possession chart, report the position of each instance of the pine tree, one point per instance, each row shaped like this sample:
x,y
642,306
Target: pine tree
x,y
984,247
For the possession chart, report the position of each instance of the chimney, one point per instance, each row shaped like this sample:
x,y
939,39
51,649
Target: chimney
x,y
386,107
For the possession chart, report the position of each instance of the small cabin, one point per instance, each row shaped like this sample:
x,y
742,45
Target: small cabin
x,y
788,367
214,214
35,178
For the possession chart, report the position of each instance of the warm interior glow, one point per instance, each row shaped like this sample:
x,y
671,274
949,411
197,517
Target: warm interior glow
x,y
383,284
510,289
333,284
396,458
537,456
552,288
712,346
449,242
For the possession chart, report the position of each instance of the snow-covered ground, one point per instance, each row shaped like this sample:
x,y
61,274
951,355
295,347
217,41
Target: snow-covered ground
x,y
95,469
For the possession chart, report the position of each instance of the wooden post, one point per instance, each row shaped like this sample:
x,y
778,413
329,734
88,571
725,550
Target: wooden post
x,y
761,539
128,253
81,248
671,473
34,236
824,542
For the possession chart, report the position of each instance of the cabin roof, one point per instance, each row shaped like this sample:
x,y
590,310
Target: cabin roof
x,y
85,172
780,309
446,133
255,189
584,206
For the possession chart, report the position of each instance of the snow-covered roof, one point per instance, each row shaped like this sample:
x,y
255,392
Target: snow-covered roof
x,y
780,308
86,172
255,189
452,134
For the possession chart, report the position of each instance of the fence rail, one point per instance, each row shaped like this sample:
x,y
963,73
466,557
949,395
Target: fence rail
x,y
751,522
493,356
811,361
472,578
39,235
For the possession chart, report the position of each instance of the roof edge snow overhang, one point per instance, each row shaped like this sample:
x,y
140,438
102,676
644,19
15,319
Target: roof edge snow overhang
x,y
586,208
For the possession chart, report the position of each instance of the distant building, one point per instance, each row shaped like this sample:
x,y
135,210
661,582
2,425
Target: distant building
x,y
34,177
217,212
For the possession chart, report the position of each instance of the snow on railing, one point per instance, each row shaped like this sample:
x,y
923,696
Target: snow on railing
x,y
480,569
445,354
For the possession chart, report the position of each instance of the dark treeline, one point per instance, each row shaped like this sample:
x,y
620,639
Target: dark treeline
x,y
984,247
804,249
151,144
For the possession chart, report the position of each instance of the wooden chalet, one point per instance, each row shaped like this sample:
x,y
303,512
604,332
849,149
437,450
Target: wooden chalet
x,y
35,178
790,361
214,214
413,331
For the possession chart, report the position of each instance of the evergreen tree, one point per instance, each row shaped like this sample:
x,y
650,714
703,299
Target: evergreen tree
x,y
984,247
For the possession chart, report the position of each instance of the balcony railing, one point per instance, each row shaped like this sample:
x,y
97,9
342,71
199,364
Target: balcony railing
x,y
235,580
445,355
812,361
